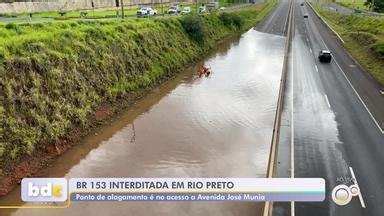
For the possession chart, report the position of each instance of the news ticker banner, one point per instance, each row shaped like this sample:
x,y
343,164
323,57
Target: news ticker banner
x,y
172,189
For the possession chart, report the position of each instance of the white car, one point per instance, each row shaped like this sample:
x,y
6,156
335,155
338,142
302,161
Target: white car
x,y
186,10
151,11
175,9
146,11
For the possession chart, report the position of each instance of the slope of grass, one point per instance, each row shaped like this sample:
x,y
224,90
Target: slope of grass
x,y
364,39
353,4
54,76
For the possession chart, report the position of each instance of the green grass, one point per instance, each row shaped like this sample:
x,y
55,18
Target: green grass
x,y
354,4
103,13
55,75
91,14
364,39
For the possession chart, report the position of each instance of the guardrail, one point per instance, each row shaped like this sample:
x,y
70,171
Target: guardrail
x,y
268,207
325,22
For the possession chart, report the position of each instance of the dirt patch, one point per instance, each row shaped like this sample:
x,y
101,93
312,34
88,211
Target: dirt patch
x,y
103,112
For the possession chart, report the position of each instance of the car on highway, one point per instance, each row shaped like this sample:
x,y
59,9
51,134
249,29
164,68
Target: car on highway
x,y
146,11
186,10
302,4
325,56
305,15
174,9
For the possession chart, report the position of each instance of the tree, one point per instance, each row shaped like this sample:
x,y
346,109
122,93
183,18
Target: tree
x,y
375,5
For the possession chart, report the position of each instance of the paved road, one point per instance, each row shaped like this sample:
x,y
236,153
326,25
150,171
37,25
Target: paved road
x,y
275,22
338,8
331,129
348,11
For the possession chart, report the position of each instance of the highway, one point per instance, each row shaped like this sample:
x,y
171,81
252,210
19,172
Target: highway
x,y
275,22
332,122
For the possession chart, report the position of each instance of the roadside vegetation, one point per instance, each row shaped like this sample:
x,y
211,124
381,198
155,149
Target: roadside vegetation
x,y
55,76
353,4
368,5
377,6
364,39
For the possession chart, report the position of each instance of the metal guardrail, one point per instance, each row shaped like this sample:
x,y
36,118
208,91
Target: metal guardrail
x,y
325,22
268,207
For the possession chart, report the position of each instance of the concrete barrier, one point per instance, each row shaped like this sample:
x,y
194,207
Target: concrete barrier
x,y
288,30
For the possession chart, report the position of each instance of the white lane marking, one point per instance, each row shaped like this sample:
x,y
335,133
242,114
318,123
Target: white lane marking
x,y
316,68
357,184
292,128
321,18
292,135
350,84
326,99
361,100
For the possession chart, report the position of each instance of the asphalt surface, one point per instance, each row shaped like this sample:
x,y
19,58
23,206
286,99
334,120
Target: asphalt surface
x,y
327,125
338,8
275,22
348,11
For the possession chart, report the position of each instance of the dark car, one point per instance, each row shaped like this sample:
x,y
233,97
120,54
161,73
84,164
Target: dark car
x,y
305,15
302,4
325,56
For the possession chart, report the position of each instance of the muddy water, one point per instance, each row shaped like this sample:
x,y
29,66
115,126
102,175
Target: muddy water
x,y
216,126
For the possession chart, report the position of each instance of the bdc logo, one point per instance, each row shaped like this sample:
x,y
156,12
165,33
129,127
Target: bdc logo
x,y
44,189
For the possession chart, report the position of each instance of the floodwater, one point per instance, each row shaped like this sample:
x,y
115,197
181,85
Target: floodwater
x,y
216,126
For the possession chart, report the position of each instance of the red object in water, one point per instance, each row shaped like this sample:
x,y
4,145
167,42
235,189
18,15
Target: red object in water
x,y
204,71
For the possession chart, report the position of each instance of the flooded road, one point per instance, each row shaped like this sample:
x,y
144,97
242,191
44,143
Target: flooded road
x,y
216,126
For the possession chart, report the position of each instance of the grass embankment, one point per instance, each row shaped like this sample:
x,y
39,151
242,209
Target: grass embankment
x,y
353,4
54,77
364,39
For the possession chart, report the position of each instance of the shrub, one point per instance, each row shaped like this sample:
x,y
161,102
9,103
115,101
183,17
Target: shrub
x,y
364,38
231,19
378,48
194,26
12,26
